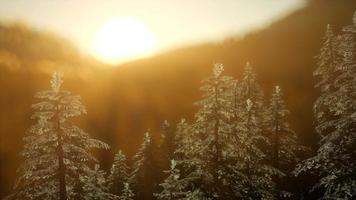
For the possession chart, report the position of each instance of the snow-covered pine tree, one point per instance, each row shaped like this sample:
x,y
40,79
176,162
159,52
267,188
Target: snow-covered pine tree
x,y
181,133
326,73
251,167
119,173
186,141
92,187
143,176
56,151
335,161
188,158
283,139
174,188
127,193
212,124
327,61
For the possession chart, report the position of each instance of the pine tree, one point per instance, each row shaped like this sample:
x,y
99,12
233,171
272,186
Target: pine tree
x,y
212,124
326,72
181,133
188,158
56,151
251,140
93,186
118,174
187,143
284,140
335,116
173,186
144,171
127,193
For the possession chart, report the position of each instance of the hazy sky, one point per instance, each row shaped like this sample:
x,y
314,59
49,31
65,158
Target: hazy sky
x,y
173,22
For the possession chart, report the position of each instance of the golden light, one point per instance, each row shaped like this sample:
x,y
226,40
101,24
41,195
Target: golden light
x,y
122,39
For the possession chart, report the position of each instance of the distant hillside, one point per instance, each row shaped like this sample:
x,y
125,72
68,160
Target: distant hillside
x,y
166,85
22,48
124,102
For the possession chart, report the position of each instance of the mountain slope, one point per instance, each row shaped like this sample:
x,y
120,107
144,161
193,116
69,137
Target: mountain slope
x,y
166,85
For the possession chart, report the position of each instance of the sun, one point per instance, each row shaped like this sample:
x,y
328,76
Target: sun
x,y
123,38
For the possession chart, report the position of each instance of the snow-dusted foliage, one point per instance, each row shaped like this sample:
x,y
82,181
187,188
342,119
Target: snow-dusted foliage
x,y
335,116
126,193
92,187
251,166
196,195
212,124
188,158
284,145
327,61
57,154
222,154
119,173
186,141
142,178
283,139
173,186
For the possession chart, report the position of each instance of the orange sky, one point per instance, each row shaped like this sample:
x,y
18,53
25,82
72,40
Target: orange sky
x,y
173,22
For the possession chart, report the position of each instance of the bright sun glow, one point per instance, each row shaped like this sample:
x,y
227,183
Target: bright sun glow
x,y
122,39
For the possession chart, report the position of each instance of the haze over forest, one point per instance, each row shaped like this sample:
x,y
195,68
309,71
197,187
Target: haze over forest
x,y
124,102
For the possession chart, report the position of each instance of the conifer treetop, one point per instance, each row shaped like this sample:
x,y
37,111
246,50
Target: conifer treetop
x,y
147,137
248,68
218,69
54,141
329,33
173,164
56,82
277,89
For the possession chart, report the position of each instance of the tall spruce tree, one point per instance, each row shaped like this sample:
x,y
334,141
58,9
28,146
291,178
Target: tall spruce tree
x,y
283,138
251,140
328,62
188,158
212,124
173,188
57,153
143,176
127,193
335,116
84,186
285,147
119,173
186,141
